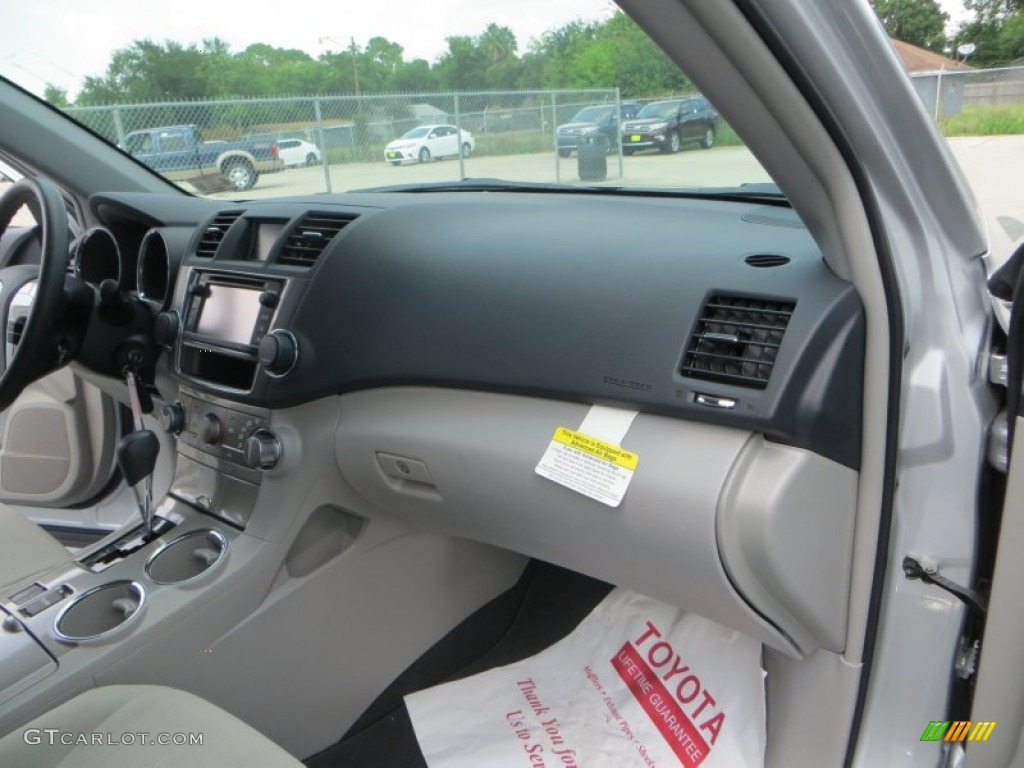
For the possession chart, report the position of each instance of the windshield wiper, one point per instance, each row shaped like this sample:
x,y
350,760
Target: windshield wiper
x,y
768,194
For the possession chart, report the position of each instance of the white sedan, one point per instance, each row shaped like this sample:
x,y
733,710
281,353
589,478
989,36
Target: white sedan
x,y
426,142
298,152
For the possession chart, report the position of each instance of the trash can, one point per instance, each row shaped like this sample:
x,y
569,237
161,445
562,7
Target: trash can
x,y
592,157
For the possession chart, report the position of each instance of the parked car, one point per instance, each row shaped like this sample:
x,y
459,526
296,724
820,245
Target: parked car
x,y
598,119
668,125
177,152
429,142
296,152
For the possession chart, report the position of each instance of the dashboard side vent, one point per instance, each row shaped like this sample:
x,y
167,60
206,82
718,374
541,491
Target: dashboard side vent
x,y
214,233
766,260
309,239
737,340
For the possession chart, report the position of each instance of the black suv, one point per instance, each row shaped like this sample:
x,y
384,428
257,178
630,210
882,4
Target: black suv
x,y
593,120
668,125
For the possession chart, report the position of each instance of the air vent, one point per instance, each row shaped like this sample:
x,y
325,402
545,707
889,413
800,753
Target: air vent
x,y
309,239
737,340
764,260
214,233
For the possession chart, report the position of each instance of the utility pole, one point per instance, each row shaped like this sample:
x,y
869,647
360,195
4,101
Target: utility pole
x,y
355,63
353,51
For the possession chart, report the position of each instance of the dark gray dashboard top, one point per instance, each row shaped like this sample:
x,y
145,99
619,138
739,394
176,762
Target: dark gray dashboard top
x,y
591,298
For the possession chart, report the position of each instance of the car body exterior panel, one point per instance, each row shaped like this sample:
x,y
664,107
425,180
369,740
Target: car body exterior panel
x,y
429,142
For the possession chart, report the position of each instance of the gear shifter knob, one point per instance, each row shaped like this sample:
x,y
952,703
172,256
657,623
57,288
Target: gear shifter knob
x,y
136,455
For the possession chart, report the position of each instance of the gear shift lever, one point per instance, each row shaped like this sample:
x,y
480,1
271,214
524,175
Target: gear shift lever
x,y
136,456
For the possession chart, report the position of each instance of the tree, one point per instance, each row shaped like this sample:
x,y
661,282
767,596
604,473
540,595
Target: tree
x,y
58,97
378,64
498,43
415,75
997,31
918,22
462,66
149,71
994,10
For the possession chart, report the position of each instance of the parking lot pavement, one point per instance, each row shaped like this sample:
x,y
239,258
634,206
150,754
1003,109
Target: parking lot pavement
x,y
994,167
691,167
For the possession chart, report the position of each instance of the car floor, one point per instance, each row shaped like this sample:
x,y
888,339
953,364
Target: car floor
x,y
543,607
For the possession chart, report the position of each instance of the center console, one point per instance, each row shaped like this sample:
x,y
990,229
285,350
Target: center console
x,y
227,344
223,448
224,344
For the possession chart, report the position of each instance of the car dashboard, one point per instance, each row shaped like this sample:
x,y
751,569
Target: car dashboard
x,y
455,331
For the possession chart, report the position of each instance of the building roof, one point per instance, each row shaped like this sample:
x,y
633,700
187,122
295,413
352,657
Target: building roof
x,y
922,60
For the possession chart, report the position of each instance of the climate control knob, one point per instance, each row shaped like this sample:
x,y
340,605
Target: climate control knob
x,y
262,449
210,429
278,352
165,329
172,418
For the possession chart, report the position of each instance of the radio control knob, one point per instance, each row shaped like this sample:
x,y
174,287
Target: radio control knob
x,y
262,449
278,352
210,429
172,418
165,329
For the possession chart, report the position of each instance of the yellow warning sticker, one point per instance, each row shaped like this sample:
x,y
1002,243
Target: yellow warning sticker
x,y
588,465
596,447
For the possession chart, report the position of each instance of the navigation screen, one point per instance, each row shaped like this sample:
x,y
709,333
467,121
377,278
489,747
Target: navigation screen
x,y
229,313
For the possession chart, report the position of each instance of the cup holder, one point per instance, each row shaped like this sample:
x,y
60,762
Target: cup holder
x,y
187,557
100,611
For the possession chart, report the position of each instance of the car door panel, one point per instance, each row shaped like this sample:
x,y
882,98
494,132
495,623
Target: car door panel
x,y
58,443
59,437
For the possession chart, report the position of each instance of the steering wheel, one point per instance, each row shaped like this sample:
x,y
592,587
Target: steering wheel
x,y
32,299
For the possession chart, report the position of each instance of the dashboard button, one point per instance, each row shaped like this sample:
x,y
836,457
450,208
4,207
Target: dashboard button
x,y
172,418
262,449
211,429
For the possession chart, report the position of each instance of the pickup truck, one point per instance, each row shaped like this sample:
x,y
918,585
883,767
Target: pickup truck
x,y
176,151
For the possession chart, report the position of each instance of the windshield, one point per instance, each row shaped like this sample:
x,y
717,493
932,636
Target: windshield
x,y
660,109
416,133
592,115
211,97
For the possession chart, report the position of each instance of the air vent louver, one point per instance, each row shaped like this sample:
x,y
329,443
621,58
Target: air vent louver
x,y
766,260
214,233
737,340
309,239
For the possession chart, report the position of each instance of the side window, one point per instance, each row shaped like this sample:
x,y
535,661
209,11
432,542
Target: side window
x,y
172,142
138,143
287,144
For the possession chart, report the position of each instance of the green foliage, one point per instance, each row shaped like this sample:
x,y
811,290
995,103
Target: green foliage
x,y
997,31
58,97
918,22
597,55
995,120
614,52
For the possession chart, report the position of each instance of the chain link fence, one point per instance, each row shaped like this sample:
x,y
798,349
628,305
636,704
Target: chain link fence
x,y
303,145
987,100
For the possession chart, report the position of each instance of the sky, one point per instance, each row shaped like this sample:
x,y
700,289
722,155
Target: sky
x,y
63,41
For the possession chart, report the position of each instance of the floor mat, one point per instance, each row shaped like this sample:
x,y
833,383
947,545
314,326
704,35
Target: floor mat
x,y
543,607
